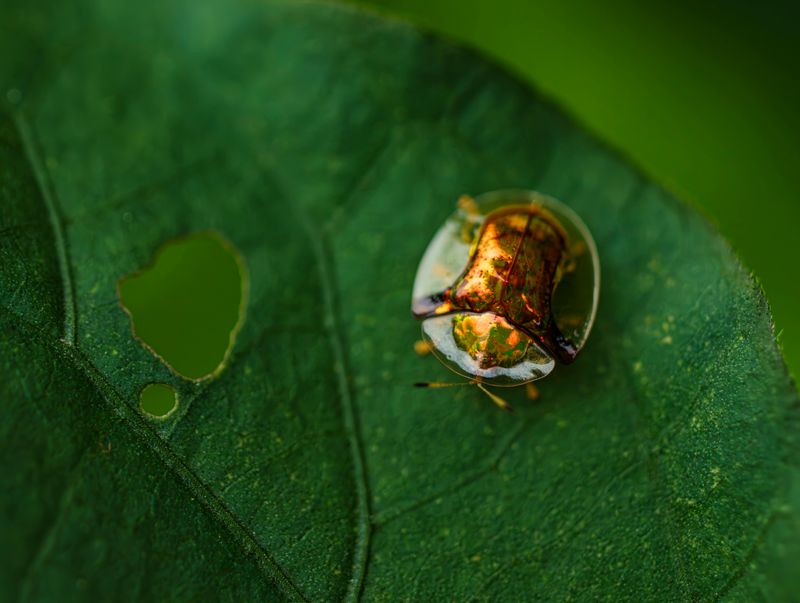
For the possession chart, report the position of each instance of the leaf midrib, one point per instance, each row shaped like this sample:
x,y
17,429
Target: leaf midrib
x,y
67,349
171,461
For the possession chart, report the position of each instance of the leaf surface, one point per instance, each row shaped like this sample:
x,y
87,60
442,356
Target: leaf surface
x,y
328,145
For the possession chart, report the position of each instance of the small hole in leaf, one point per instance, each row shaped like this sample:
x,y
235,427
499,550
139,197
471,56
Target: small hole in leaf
x,y
158,400
187,304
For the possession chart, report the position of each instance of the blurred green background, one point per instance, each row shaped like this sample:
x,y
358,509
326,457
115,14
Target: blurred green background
x,y
703,96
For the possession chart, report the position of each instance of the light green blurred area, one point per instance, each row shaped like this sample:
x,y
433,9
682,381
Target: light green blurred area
x,y
158,399
704,96
185,305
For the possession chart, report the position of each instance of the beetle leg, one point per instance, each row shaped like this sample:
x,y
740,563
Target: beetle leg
x,y
467,203
532,391
577,250
422,348
571,320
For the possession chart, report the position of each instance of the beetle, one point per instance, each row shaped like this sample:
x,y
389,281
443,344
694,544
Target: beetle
x,y
507,288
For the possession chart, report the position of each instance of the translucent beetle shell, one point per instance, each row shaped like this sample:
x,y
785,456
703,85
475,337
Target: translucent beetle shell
x,y
507,287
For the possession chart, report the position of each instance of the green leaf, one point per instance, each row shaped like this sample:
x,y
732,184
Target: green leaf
x,y
328,145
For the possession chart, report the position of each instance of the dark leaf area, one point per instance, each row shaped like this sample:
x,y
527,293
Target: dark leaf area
x,y
328,145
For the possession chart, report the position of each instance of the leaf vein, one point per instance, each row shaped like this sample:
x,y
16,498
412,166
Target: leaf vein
x,y
161,450
34,154
741,571
383,517
202,492
318,241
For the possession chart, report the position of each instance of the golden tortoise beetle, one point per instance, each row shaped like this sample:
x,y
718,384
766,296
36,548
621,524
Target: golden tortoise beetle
x,y
507,287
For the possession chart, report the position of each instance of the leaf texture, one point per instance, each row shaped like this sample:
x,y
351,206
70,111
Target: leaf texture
x,y
328,145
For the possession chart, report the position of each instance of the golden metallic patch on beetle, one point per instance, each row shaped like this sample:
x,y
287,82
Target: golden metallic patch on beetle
x,y
490,340
443,309
516,262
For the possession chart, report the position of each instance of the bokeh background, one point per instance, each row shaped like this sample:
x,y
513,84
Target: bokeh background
x,y
705,97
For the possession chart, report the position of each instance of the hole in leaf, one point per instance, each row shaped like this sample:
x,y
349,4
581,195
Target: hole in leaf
x,y
187,304
158,400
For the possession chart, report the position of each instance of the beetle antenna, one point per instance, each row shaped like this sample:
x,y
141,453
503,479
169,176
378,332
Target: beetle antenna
x,y
501,403
443,384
